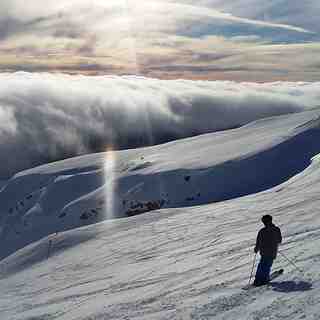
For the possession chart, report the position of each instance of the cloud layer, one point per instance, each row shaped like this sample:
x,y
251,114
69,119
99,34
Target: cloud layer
x,y
45,117
295,13
163,38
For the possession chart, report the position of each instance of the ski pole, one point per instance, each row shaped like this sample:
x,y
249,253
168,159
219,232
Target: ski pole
x,y
254,262
291,262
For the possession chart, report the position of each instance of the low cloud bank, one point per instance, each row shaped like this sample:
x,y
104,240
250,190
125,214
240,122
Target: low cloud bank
x,y
45,117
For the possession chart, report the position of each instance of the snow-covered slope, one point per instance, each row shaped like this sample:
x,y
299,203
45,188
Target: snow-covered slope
x,y
189,172
188,260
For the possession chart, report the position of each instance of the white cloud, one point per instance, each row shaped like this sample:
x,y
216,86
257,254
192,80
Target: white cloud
x,y
46,117
115,20
156,38
8,122
303,14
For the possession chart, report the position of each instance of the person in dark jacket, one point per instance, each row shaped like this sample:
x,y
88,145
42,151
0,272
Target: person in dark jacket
x,y
267,244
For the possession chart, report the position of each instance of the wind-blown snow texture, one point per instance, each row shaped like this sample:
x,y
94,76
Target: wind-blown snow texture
x,y
51,117
187,260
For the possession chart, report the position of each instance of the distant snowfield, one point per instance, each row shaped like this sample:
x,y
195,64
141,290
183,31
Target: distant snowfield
x,y
187,260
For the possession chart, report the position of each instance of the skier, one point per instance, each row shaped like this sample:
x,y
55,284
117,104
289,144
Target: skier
x,y
267,243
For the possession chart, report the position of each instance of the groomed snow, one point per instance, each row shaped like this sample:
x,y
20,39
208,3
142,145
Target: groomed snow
x,y
188,260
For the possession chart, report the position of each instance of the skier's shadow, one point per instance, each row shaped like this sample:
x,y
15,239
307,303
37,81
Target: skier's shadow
x,y
291,286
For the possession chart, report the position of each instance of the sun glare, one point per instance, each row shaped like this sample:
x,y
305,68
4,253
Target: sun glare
x,y
110,184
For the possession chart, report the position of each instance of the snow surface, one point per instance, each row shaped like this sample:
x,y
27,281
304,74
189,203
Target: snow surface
x,y
187,260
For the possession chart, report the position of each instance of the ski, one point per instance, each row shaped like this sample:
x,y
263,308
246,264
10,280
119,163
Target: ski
x,y
274,275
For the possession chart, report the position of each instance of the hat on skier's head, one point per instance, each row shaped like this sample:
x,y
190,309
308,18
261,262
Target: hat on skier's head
x,y
266,219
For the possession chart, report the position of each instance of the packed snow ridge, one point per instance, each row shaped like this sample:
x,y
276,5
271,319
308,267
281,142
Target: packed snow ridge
x,y
190,211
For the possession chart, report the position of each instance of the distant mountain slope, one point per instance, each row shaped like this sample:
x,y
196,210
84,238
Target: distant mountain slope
x,y
194,171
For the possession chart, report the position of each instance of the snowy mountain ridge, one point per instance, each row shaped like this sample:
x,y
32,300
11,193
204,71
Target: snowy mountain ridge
x,y
76,192
190,254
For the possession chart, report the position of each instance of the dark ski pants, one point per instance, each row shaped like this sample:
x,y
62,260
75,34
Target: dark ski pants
x,y
263,270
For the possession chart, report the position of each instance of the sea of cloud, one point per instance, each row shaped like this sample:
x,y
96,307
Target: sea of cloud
x,y
46,117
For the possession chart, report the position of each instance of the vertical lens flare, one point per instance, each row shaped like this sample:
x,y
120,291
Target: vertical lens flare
x,y
110,183
113,204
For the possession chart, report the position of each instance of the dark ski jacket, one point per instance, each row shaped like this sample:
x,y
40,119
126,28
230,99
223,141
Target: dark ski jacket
x,y
268,240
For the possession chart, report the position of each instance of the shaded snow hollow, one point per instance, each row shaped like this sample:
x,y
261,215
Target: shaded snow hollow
x,y
187,260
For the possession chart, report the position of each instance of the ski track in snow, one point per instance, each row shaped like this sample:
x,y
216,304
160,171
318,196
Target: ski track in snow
x,y
184,261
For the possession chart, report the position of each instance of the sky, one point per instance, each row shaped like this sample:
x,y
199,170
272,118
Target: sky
x,y
240,40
